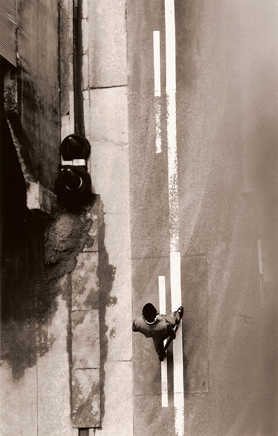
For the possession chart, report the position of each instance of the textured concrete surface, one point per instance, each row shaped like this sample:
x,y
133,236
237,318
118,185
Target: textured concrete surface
x,y
66,55
53,372
86,398
92,214
109,121
22,404
105,114
40,199
85,339
109,172
118,416
85,293
85,346
40,398
107,54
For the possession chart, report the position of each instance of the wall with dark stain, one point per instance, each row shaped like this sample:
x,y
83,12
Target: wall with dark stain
x,y
36,254
44,335
38,85
25,298
38,260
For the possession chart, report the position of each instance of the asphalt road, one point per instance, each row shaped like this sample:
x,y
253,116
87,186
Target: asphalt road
x,y
219,210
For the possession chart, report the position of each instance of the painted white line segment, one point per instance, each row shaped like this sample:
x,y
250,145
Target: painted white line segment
x,y
157,89
162,295
179,418
175,264
162,310
175,272
164,384
260,259
156,60
171,123
170,45
175,261
158,125
259,245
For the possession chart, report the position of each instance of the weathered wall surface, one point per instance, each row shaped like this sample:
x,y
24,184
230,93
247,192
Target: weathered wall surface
x,y
36,292
34,315
66,66
38,85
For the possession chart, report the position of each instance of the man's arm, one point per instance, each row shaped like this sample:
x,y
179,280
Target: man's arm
x,y
171,332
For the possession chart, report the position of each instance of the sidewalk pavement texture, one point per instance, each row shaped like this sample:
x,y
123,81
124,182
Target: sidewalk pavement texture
x,y
106,127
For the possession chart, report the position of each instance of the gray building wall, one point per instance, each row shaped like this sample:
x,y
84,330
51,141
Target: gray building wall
x,y
38,85
32,97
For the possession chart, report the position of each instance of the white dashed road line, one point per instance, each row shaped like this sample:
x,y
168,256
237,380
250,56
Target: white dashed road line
x,y
260,260
157,89
175,261
175,268
162,310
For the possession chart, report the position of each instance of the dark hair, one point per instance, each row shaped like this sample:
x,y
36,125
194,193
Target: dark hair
x,y
149,312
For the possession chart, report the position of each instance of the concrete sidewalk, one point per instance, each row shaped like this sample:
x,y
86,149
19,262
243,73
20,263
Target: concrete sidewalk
x,y
106,127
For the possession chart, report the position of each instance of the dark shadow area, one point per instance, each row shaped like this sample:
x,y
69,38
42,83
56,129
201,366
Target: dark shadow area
x,y
25,299
35,253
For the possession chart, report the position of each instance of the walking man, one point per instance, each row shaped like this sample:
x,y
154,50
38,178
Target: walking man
x,y
156,326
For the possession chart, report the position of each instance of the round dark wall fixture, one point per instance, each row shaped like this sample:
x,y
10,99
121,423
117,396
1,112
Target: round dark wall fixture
x,y
73,187
75,147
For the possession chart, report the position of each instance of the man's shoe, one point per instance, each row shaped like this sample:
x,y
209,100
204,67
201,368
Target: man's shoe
x,y
161,358
180,310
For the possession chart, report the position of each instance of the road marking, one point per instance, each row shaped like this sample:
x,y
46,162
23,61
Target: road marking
x,y
175,271
171,124
162,310
260,259
156,59
157,89
175,280
162,295
170,37
259,245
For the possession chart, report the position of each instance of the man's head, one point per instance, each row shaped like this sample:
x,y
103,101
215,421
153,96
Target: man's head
x,y
149,313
